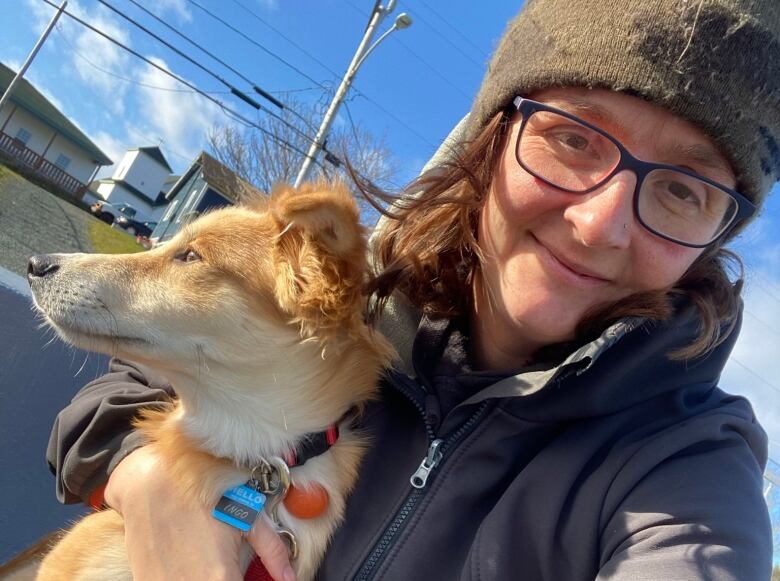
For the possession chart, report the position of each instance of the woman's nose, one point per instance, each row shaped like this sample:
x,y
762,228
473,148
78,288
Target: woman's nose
x,y
605,216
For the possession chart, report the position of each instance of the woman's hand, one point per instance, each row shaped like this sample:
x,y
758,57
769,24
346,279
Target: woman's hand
x,y
167,539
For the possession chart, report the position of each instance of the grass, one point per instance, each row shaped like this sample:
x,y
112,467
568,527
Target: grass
x,y
104,239
107,240
7,173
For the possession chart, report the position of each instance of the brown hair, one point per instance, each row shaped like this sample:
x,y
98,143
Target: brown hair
x,y
428,250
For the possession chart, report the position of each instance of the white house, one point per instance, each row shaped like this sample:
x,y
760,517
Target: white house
x,y
35,135
205,185
141,179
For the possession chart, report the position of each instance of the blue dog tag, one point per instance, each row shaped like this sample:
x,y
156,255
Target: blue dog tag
x,y
239,507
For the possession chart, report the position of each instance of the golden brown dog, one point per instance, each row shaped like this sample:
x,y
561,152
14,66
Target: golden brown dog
x,y
254,315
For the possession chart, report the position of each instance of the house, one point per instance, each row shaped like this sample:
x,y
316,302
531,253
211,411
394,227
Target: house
x,y
206,184
139,180
37,137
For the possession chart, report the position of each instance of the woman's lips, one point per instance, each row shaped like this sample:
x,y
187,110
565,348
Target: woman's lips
x,y
571,273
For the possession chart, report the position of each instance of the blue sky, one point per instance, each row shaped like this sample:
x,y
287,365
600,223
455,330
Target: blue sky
x,y
412,89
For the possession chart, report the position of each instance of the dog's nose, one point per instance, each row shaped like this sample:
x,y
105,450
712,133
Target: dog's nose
x,y
41,265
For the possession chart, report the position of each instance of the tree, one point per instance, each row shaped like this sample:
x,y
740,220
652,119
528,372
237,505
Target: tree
x,y
262,159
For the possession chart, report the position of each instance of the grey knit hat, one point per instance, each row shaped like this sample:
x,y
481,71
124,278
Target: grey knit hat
x,y
715,63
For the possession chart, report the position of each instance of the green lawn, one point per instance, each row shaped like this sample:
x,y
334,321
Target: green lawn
x,y
107,240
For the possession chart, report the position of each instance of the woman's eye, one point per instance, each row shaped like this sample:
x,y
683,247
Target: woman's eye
x,y
187,256
573,141
683,193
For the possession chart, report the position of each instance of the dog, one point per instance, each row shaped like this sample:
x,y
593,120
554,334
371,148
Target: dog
x,y
254,314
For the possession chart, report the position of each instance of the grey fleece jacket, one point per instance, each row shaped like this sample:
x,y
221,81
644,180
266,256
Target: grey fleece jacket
x,y
616,464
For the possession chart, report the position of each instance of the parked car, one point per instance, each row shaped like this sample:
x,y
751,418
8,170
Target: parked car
x,y
109,212
134,227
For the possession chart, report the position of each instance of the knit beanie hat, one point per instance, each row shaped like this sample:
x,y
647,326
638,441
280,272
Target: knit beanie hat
x,y
715,63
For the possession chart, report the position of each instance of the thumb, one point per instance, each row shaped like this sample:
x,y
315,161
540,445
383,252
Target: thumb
x,y
272,550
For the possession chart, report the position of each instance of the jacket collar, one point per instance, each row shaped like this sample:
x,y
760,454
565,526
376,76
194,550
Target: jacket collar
x,y
626,364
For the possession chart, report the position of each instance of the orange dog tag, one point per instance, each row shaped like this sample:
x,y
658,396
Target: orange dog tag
x,y
308,502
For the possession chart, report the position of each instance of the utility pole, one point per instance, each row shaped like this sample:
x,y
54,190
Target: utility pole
x,y
7,95
364,48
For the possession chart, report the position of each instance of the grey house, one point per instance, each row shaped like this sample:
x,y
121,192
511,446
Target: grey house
x,y
206,184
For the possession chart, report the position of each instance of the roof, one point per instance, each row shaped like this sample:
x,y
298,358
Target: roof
x,y
160,200
220,178
156,154
30,99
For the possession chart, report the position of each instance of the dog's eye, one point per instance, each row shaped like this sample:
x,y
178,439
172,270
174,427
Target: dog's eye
x,y
187,256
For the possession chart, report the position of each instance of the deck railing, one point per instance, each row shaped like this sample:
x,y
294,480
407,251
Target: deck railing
x,y
26,156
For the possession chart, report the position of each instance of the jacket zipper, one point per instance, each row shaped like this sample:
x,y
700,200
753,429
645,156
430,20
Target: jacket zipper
x,y
434,457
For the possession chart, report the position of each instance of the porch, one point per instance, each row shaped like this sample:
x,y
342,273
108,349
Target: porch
x,y
44,168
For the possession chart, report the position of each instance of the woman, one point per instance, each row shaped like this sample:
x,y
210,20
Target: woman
x,y
559,297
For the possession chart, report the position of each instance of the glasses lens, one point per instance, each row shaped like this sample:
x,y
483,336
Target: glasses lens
x,y
685,208
564,152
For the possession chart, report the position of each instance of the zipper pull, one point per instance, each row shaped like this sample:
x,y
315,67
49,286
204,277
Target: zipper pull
x,y
420,477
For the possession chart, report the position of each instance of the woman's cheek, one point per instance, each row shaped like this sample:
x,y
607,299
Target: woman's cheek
x,y
663,263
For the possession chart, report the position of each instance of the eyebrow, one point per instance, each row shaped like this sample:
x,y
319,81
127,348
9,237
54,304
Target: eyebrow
x,y
698,153
701,154
585,108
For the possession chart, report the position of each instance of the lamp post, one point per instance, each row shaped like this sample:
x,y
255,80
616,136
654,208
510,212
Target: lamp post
x,y
365,47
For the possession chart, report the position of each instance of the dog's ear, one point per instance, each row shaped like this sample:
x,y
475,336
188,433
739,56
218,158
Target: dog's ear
x,y
320,255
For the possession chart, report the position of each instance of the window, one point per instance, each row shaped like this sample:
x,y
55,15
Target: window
x,y
62,161
211,199
23,135
169,212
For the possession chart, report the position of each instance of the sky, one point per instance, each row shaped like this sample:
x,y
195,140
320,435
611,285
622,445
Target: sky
x,y
412,89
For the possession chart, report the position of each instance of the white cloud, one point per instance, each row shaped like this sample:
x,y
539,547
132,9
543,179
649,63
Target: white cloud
x,y
181,120
754,367
112,147
94,58
103,54
12,64
178,7
39,84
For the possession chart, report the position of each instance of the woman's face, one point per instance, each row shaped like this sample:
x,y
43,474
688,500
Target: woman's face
x,y
551,256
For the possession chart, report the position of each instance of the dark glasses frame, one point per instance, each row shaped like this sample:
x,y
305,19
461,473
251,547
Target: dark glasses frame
x,y
626,161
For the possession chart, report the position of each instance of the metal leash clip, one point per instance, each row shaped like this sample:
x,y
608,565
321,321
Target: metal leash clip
x,y
272,478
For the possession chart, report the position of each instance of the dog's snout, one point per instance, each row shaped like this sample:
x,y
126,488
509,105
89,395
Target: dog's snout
x,y
41,265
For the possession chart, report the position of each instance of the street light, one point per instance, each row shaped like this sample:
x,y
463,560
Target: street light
x,y
402,21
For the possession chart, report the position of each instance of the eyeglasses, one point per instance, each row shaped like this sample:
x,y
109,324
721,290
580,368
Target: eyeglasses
x,y
575,156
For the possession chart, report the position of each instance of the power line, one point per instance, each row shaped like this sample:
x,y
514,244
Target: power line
x,y
238,93
767,286
254,86
454,29
754,374
395,118
258,45
135,131
233,90
126,79
358,140
419,58
355,88
763,324
288,39
225,109
432,68
447,40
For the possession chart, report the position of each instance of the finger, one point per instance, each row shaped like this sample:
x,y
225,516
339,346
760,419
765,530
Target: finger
x,y
272,551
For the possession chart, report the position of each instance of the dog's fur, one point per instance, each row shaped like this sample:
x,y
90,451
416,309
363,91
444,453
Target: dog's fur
x,y
262,337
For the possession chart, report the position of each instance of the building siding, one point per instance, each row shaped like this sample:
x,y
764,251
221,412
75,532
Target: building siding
x,y
81,165
145,174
